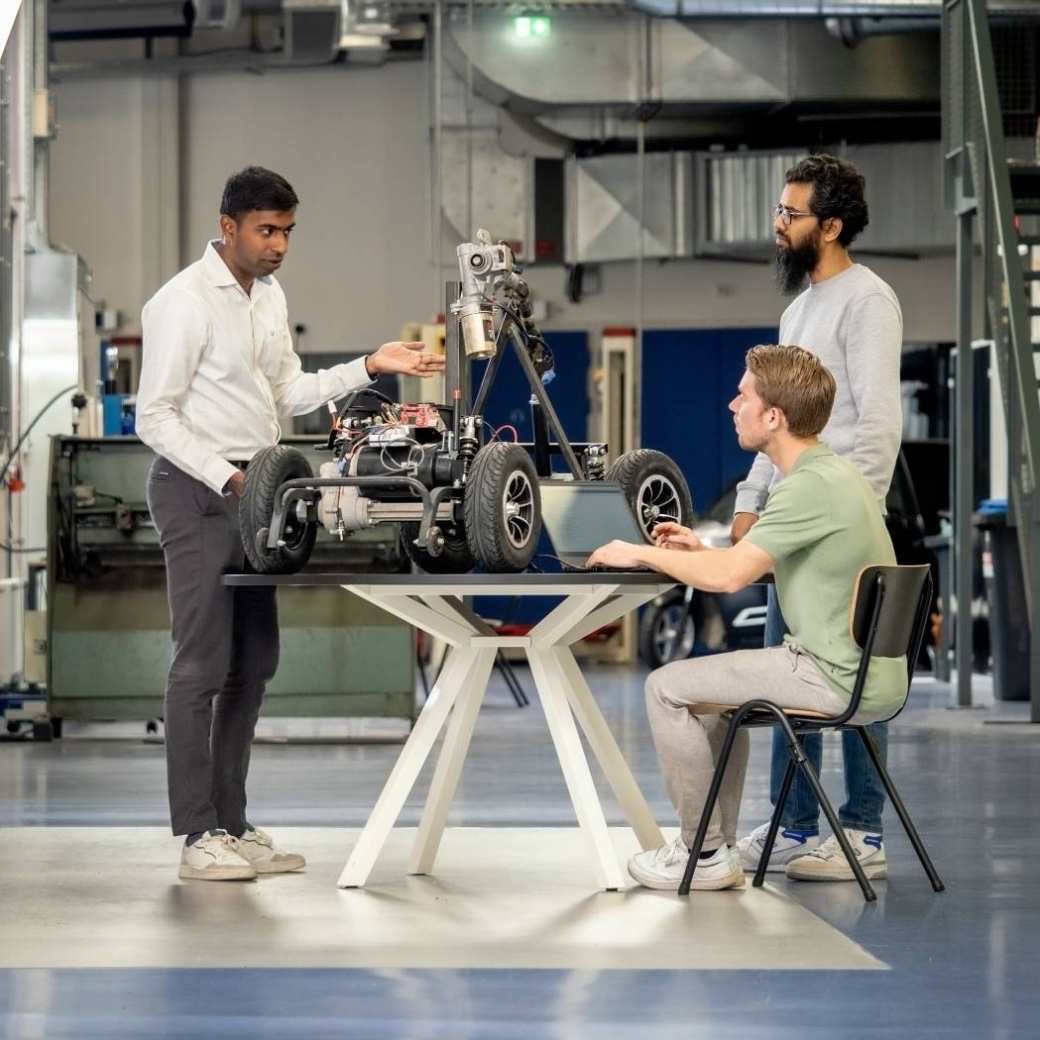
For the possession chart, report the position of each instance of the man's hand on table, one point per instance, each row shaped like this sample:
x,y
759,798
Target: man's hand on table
x,y
742,523
236,485
404,358
617,554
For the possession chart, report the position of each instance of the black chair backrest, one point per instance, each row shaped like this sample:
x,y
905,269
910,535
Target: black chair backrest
x,y
887,619
900,588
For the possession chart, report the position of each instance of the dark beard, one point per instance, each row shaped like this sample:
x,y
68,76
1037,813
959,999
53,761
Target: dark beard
x,y
794,264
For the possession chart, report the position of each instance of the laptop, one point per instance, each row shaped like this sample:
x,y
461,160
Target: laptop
x,y
582,515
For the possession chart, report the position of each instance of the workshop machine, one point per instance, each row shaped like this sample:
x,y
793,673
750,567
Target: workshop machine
x,y
107,634
461,495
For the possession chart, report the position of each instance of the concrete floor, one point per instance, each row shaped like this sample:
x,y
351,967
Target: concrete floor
x,y
961,964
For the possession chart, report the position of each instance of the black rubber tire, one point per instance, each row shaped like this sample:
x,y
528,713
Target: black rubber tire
x,y
487,524
632,471
455,558
652,651
270,468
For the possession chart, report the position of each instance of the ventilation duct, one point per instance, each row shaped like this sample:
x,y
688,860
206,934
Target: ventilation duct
x,y
602,208
701,69
736,193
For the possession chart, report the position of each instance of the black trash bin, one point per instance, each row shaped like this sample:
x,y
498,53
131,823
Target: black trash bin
x,y
1006,595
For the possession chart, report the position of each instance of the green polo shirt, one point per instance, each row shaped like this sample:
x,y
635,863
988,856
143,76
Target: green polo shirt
x,y
822,525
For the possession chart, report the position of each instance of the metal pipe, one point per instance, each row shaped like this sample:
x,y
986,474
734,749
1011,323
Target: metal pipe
x,y
964,458
40,225
470,229
817,8
437,216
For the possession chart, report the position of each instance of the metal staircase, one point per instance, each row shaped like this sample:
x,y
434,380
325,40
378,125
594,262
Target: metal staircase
x,y
997,205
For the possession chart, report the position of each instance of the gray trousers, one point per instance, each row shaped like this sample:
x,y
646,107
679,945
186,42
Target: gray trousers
x,y
225,648
688,744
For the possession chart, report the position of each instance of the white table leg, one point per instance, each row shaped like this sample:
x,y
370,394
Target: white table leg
x,y
449,765
406,769
605,748
564,732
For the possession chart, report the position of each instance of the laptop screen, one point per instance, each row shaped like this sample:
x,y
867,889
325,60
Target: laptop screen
x,y
580,516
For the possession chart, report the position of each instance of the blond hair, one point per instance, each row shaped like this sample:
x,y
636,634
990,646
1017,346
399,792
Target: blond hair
x,y
795,381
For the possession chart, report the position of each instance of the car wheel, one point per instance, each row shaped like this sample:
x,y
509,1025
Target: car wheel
x,y
655,488
667,631
502,508
269,469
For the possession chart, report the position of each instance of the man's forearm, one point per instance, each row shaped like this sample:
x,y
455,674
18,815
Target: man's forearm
x,y
305,391
706,569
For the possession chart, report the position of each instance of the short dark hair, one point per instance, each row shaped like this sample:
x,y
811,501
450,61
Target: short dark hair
x,y
256,188
837,192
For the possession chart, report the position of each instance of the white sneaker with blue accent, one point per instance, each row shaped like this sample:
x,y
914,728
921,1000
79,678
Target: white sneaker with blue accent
x,y
828,863
663,868
788,845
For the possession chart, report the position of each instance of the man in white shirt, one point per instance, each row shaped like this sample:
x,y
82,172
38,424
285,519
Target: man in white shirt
x,y
218,370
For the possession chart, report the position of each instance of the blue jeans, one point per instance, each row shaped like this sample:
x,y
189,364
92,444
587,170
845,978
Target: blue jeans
x,y
865,795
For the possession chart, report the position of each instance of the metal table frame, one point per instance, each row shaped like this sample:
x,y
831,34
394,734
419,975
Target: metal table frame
x,y
435,604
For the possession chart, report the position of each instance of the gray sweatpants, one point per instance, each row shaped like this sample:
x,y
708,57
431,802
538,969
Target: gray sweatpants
x,y
225,648
688,744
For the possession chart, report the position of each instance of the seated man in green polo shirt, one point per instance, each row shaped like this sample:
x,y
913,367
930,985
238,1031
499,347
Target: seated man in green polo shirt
x,y
821,526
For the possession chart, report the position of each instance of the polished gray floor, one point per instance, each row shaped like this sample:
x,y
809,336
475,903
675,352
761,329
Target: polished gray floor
x,y
962,964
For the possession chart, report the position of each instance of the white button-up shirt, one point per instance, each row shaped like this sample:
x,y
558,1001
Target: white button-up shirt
x,y
218,368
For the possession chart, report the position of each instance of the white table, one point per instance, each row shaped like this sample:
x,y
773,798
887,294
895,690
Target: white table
x,y
435,604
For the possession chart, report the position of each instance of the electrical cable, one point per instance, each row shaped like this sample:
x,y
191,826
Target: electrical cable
x,y
39,415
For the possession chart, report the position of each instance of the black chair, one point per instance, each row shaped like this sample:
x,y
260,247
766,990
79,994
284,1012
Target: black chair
x,y
890,607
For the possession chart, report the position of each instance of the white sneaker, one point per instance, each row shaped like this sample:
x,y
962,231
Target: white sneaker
x,y
215,857
663,868
788,845
828,863
257,847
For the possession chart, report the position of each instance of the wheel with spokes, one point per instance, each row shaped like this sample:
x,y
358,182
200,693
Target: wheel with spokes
x,y
269,469
502,508
655,488
667,630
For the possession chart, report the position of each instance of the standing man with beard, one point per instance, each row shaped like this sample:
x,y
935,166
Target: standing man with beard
x,y
851,320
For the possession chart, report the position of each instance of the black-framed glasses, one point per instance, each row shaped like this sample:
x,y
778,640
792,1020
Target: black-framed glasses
x,y
786,214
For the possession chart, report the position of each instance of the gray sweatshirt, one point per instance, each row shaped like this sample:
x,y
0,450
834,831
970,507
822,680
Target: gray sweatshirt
x,y
853,324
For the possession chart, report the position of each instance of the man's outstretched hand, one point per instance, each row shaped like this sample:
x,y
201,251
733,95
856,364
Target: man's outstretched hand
x,y
400,358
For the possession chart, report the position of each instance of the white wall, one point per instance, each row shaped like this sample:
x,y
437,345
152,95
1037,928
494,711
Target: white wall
x,y
353,142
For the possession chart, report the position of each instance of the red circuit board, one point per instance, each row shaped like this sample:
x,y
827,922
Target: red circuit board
x,y
420,415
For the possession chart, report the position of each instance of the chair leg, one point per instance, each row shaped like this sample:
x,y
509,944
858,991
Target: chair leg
x,y
709,805
904,816
519,695
774,824
839,832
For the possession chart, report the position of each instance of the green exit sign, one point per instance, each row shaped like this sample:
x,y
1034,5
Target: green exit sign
x,y
529,27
